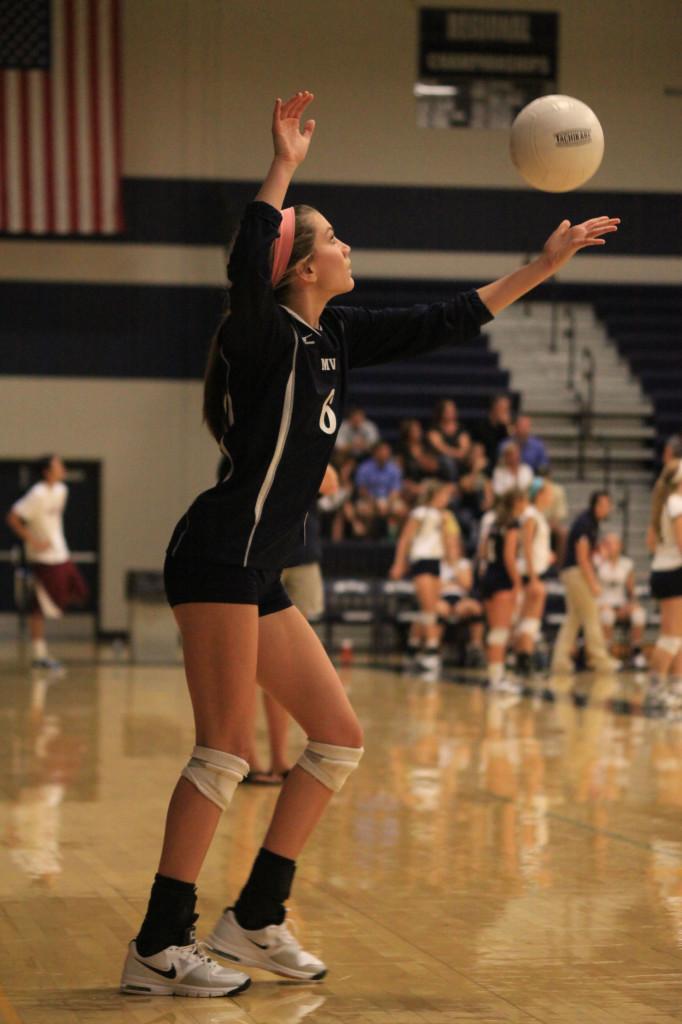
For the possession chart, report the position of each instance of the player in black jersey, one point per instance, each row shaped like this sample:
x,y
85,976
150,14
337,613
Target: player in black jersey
x,y
501,583
274,398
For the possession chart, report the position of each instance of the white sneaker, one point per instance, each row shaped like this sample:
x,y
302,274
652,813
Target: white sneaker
x,y
179,971
506,685
273,948
429,664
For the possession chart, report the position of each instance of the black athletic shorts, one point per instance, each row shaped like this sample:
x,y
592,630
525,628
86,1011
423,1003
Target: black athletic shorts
x,y
425,566
495,578
210,582
666,583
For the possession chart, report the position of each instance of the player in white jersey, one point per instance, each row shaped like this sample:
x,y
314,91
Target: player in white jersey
x,y
535,559
459,605
665,531
429,537
617,601
38,520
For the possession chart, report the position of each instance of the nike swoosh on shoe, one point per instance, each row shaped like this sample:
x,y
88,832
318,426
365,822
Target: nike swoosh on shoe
x,y
260,946
157,970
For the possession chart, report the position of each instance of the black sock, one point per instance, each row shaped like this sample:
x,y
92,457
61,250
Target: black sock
x,y
170,915
261,901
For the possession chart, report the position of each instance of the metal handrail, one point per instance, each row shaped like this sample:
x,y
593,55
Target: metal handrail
x,y
623,506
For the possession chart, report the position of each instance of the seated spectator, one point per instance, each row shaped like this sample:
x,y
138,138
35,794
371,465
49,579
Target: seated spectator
x,y
448,439
357,435
338,519
378,482
533,451
416,461
495,429
475,495
511,474
617,601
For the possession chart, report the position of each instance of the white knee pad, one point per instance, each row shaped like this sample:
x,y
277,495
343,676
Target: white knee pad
x,y
215,774
530,628
638,617
607,616
328,764
498,637
670,644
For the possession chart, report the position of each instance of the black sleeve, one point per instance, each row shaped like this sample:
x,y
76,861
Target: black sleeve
x,y
381,335
252,301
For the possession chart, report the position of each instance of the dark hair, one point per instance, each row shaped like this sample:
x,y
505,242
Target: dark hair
x,y
594,498
216,372
42,465
439,409
674,443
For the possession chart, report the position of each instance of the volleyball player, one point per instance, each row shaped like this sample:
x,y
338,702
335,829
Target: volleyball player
x,y
38,520
535,558
429,537
275,390
618,601
500,584
666,582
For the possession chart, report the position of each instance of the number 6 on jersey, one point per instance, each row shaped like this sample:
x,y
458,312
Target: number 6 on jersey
x,y
327,415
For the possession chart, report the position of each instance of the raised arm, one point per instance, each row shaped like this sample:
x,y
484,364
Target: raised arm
x,y
291,147
559,248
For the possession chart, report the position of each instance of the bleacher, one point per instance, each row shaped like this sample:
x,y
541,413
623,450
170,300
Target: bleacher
x,y
646,325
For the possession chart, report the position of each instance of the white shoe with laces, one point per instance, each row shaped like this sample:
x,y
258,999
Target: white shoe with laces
x,y
273,948
179,971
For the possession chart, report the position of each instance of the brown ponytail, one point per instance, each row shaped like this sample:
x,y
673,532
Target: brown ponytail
x,y
664,487
215,374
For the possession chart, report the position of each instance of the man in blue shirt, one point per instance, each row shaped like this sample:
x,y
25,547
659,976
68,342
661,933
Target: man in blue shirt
x,y
582,590
533,450
378,481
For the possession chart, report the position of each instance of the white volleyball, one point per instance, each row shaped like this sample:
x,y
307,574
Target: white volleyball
x,y
556,143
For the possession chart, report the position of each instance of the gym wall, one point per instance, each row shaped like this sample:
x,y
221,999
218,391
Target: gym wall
x,y
103,341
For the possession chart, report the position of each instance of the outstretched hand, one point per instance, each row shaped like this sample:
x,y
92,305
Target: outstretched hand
x,y
565,242
291,144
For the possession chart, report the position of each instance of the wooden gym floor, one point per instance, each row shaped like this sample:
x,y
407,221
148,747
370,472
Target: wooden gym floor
x,y
491,861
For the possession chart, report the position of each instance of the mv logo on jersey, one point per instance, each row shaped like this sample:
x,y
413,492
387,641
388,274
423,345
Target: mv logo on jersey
x,y
328,364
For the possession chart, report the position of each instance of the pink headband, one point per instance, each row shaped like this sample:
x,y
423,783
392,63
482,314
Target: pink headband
x,y
284,243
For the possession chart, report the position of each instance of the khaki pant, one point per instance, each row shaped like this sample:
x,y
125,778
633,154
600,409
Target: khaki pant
x,y
304,586
582,611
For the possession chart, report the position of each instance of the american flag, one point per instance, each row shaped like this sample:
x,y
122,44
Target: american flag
x,y
60,117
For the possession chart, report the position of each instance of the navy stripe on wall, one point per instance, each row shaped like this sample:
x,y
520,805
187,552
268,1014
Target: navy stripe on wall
x,y
161,331
176,211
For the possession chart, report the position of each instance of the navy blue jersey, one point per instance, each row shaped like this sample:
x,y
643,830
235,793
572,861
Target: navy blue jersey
x,y
494,549
584,525
285,393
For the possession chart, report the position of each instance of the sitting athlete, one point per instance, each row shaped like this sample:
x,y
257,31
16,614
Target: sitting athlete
x,y
458,604
617,601
429,537
274,395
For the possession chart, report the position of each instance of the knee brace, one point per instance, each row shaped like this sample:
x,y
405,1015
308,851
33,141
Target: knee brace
x,y
215,774
328,764
670,644
638,617
498,637
607,615
530,628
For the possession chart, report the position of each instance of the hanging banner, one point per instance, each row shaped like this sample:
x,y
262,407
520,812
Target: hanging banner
x,y
477,68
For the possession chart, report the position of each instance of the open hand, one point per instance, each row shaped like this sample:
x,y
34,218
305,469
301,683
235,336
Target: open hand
x,y
565,242
291,144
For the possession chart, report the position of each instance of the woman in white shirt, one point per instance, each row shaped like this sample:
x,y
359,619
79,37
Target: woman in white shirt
x,y
429,537
535,558
665,532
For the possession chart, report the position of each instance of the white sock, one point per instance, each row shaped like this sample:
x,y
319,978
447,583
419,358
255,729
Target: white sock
x,y
39,649
495,672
